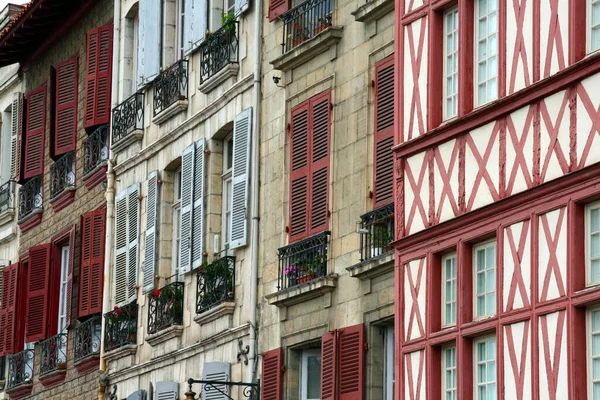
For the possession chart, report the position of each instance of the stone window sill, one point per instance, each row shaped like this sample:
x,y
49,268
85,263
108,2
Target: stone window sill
x,y
7,216
171,111
304,291
133,137
121,352
373,267
171,332
63,199
373,10
324,41
21,391
231,70
31,221
215,313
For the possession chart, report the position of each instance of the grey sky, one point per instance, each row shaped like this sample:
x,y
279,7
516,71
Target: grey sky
x,y
3,3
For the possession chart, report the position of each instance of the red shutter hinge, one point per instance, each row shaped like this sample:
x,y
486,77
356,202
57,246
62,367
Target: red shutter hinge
x,y
328,213
366,346
207,151
330,106
159,181
287,229
282,369
139,197
370,194
373,84
289,127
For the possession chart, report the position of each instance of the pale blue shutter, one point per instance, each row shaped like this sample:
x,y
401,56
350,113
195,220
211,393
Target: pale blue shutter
x,y
188,24
241,6
198,212
200,19
238,228
151,221
137,395
215,371
133,234
185,221
120,271
149,39
166,391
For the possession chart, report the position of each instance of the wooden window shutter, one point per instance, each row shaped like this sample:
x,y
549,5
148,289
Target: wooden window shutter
x,y
167,390
16,136
299,173
319,162
91,75
133,234
38,285
151,221
65,130
91,275
120,272
384,133
149,34
71,266
103,75
351,362
185,219
272,370
216,371
138,395
277,7
8,310
35,132
328,365
198,204
242,126
85,264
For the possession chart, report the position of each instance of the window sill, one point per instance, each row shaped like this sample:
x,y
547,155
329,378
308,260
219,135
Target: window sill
x,y
215,321
304,291
309,49
172,332
63,199
31,221
171,111
21,391
134,136
7,216
373,10
373,267
53,378
231,70
95,176
121,352
214,313
87,364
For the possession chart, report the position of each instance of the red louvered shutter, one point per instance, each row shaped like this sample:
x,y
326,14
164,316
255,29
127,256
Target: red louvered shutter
x,y
272,368
277,7
7,312
37,293
351,362
299,172
97,260
318,190
103,75
384,132
65,131
328,365
91,74
71,266
35,132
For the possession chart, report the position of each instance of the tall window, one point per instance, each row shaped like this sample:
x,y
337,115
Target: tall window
x,y
176,220
388,370
449,289
594,354
593,243
451,63
485,368
594,15
449,373
485,279
5,146
179,27
310,374
62,302
227,192
486,50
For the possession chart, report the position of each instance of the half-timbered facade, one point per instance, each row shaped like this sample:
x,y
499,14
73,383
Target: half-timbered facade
x,y
496,185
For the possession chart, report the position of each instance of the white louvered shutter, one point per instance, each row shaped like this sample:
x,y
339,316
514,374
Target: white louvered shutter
x,y
188,24
238,226
120,272
16,122
149,39
198,210
241,6
137,395
185,222
152,207
166,391
215,371
133,235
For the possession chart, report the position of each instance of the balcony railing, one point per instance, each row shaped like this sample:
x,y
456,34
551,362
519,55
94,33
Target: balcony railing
x,y
170,86
95,149
218,50
53,354
62,174
7,196
120,327
30,197
87,339
20,369
303,261
215,284
305,21
165,307
128,117
376,231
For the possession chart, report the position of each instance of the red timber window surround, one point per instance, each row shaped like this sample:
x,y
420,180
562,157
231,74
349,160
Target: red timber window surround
x,y
309,166
65,119
11,324
35,131
98,76
91,274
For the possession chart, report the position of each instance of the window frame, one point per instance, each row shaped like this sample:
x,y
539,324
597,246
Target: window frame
x,y
455,32
477,101
176,233
475,248
306,353
589,333
444,258
444,369
476,382
588,243
589,27
389,367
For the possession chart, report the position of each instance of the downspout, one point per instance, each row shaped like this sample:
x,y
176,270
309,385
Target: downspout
x,y
110,197
252,361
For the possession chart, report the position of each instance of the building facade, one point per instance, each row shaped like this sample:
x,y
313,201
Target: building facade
x,y
496,183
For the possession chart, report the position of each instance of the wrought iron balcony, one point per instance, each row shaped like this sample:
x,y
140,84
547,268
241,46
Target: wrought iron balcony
x,y
20,369
215,283
87,339
305,21
170,86
62,175
7,196
376,231
303,261
128,117
120,327
95,149
165,307
53,353
30,197
218,50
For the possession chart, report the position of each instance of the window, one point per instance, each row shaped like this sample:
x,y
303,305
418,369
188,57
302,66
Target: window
x,y
486,51
64,271
593,243
176,220
310,374
449,373
98,76
6,146
449,289
485,368
451,63
180,46
485,279
226,202
594,354
594,30
388,366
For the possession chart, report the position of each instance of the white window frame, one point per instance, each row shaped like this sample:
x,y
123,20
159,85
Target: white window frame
x,y
588,242
64,278
445,279
454,74
590,27
485,246
306,353
445,389
389,374
179,27
176,234
476,61
226,200
590,356
487,361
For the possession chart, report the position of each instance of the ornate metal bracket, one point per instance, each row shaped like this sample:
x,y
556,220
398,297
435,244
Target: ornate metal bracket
x,y
113,395
243,352
251,390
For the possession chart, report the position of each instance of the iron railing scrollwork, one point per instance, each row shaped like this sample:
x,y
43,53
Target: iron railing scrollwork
x,y
218,50
376,231
305,21
250,390
128,117
87,339
7,196
170,86
95,149
53,354
62,174
165,307
30,197
215,283
303,261
120,326
20,369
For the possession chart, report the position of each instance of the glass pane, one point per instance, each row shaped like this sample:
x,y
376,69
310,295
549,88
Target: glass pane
x,y
448,269
491,349
448,313
490,300
454,312
483,7
448,291
595,245
596,13
482,50
482,28
480,282
449,22
492,26
595,38
492,5
597,391
595,217
596,344
595,271
480,259
491,256
313,380
481,94
493,44
491,372
492,89
481,392
490,280
596,321
480,306
491,392
454,290
481,351
481,373
492,67
596,368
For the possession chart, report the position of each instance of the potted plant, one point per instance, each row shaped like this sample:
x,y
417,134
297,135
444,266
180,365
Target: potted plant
x,y
132,334
228,24
323,23
61,365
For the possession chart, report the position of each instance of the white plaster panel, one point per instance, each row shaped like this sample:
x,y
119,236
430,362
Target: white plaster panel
x,y
414,311
481,195
517,360
521,231
554,118
415,90
548,363
588,137
519,133
554,38
410,5
449,163
519,49
557,228
414,366
416,198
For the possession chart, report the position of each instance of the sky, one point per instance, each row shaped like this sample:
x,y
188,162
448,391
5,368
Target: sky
x,y
3,3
